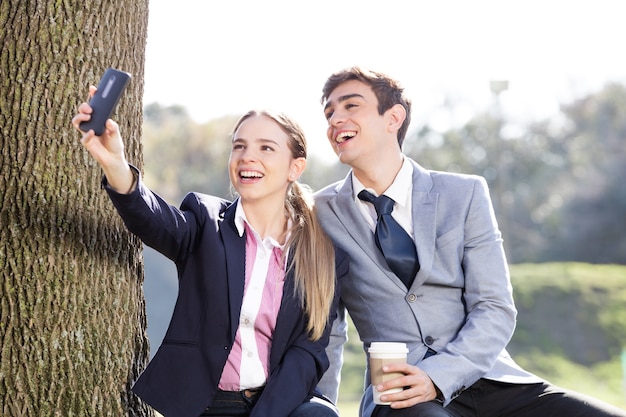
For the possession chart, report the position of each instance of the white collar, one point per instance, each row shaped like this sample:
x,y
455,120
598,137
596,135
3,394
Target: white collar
x,y
399,190
241,221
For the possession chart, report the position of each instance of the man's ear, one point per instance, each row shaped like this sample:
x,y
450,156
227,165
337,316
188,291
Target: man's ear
x,y
395,117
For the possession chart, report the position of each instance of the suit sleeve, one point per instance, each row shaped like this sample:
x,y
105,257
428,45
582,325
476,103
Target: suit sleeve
x,y
487,296
329,384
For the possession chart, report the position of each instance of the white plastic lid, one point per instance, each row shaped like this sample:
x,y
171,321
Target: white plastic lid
x,y
388,347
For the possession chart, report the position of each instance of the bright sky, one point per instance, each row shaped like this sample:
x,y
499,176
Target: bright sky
x,y
223,57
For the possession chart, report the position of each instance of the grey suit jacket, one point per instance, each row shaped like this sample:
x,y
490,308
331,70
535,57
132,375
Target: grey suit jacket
x,y
460,304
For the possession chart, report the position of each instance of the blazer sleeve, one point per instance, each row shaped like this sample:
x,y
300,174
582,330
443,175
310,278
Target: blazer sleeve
x,y
294,380
160,225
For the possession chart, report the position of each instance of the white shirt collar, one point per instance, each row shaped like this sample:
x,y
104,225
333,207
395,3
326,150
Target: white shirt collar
x,y
241,221
400,189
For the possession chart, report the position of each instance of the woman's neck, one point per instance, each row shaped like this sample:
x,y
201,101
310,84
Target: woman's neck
x,y
267,219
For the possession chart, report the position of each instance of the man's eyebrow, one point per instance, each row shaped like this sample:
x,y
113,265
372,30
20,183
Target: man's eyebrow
x,y
344,98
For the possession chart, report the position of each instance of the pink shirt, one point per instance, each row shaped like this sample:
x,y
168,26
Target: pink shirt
x,y
248,362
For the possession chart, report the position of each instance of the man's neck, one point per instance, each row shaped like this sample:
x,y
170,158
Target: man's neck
x,y
379,176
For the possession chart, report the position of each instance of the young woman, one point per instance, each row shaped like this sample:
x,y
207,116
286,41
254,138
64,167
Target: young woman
x,y
256,277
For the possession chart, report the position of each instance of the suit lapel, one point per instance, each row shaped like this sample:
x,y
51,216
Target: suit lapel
x,y
350,217
235,248
352,220
424,207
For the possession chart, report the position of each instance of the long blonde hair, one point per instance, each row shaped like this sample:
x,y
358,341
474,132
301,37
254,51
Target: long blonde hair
x,y
313,252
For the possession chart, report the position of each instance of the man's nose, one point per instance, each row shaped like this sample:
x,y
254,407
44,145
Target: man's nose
x,y
336,119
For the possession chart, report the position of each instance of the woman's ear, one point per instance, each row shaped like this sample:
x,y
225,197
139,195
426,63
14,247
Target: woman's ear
x,y
297,168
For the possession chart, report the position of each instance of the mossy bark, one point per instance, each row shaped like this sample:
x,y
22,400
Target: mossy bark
x,y
72,314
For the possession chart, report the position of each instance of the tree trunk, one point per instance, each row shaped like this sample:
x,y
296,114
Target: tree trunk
x,y
72,316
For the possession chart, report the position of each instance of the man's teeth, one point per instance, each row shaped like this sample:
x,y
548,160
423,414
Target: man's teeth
x,y
344,136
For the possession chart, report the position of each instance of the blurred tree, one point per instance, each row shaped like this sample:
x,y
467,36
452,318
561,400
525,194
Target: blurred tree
x,y
183,156
511,166
557,185
591,224
72,317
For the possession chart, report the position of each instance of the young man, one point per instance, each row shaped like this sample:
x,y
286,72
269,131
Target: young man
x,y
455,311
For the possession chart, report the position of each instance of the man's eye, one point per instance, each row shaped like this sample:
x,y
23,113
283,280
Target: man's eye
x,y
267,148
328,115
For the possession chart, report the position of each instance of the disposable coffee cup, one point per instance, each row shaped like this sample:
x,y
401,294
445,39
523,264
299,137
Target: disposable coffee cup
x,y
381,354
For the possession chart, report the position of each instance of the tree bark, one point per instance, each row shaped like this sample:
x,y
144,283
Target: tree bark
x,y
72,313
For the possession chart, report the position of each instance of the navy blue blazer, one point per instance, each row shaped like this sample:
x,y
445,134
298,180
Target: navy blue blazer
x,y
201,238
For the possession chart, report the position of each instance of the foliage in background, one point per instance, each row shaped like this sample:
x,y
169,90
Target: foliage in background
x,y
571,326
182,156
557,185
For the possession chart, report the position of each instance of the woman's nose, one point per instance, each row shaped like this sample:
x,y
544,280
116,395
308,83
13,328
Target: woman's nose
x,y
248,155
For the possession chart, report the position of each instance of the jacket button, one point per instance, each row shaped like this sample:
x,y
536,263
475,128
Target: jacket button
x,y
429,340
411,298
458,392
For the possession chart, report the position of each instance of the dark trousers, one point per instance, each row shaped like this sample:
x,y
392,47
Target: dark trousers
x,y
495,399
240,404
231,404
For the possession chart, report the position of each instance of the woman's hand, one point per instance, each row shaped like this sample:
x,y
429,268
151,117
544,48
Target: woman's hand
x,y
107,150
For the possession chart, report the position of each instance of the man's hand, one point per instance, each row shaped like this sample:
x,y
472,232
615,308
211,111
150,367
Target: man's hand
x,y
419,386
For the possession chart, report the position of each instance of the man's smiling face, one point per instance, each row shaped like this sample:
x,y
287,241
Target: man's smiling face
x,y
355,128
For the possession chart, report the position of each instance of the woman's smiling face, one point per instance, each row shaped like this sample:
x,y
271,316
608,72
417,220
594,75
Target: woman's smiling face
x,y
261,164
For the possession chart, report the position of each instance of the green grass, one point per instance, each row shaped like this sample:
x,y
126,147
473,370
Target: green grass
x,y
348,408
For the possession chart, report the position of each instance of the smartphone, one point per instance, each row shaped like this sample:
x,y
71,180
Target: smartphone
x,y
103,103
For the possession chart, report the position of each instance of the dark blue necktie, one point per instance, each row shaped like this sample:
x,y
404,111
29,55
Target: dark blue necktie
x,y
394,242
